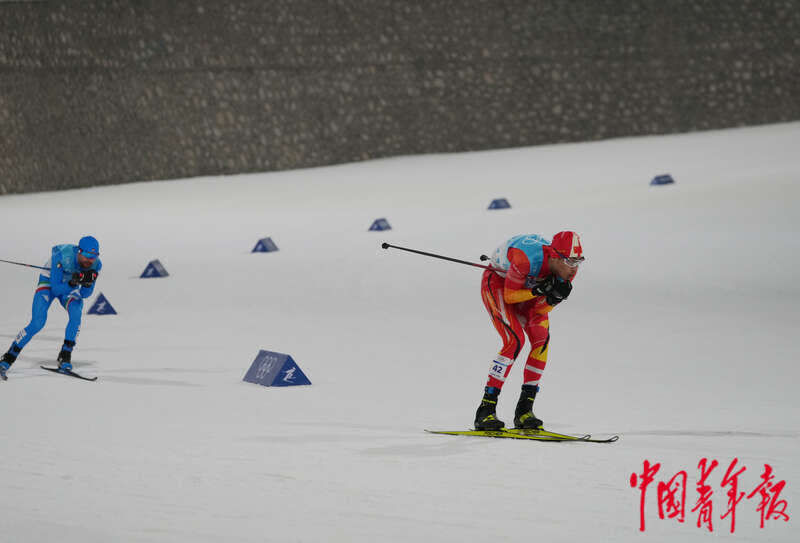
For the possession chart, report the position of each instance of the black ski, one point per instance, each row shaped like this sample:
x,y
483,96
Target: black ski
x,y
69,373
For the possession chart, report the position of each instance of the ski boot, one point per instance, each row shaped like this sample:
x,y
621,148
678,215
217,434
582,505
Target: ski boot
x,y
5,363
65,360
523,415
486,417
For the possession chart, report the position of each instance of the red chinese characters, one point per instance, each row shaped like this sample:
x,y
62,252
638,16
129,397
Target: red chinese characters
x,y
647,476
704,503
731,479
770,507
671,494
672,497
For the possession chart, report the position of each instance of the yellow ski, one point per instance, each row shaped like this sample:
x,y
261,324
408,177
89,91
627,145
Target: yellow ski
x,y
518,433
504,434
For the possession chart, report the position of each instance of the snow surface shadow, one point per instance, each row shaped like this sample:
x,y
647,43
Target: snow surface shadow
x,y
35,362
309,438
27,373
454,447
711,433
33,370
150,370
357,426
147,381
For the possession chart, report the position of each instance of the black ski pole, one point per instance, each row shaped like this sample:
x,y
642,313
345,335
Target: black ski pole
x,y
386,246
23,264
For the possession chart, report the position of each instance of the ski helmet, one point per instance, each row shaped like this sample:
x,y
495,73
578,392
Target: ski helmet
x,y
89,247
568,245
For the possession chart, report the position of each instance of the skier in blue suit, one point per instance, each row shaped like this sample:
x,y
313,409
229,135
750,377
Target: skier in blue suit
x,y
73,270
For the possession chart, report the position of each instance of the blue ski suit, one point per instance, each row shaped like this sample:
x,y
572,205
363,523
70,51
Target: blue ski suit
x,y
54,284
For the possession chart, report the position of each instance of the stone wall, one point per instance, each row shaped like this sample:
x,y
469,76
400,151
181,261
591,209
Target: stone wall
x,y
112,91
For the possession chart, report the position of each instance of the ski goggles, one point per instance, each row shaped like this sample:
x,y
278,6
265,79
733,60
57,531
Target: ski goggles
x,y
571,261
88,254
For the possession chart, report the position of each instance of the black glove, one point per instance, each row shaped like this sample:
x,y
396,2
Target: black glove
x,y
88,277
559,293
542,287
554,290
76,278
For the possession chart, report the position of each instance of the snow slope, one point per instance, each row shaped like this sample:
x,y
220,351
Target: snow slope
x,y
679,336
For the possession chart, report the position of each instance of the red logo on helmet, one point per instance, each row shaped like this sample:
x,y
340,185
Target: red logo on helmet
x,y
568,244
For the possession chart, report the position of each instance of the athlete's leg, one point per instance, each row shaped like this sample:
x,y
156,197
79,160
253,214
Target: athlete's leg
x,y
538,331
74,307
41,304
506,323
537,327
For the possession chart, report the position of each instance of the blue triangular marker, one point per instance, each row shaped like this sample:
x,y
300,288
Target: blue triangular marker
x,y
380,224
154,269
101,306
272,369
499,203
665,179
290,375
265,245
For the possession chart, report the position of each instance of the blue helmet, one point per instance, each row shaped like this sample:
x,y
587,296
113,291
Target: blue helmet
x,y
89,247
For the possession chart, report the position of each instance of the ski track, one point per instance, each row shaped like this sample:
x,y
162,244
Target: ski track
x,y
679,336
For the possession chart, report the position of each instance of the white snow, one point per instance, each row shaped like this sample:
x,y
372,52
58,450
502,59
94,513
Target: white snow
x,y
680,336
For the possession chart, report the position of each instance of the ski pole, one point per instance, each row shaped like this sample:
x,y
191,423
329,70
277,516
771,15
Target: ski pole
x,y
23,264
386,246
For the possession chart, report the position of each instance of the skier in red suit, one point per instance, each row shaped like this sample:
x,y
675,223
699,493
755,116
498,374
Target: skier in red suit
x,y
530,276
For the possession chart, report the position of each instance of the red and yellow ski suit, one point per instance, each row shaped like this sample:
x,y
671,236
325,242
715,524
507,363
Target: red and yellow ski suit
x,y
515,310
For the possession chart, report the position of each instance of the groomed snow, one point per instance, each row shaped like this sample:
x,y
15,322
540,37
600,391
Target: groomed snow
x,y
680,336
